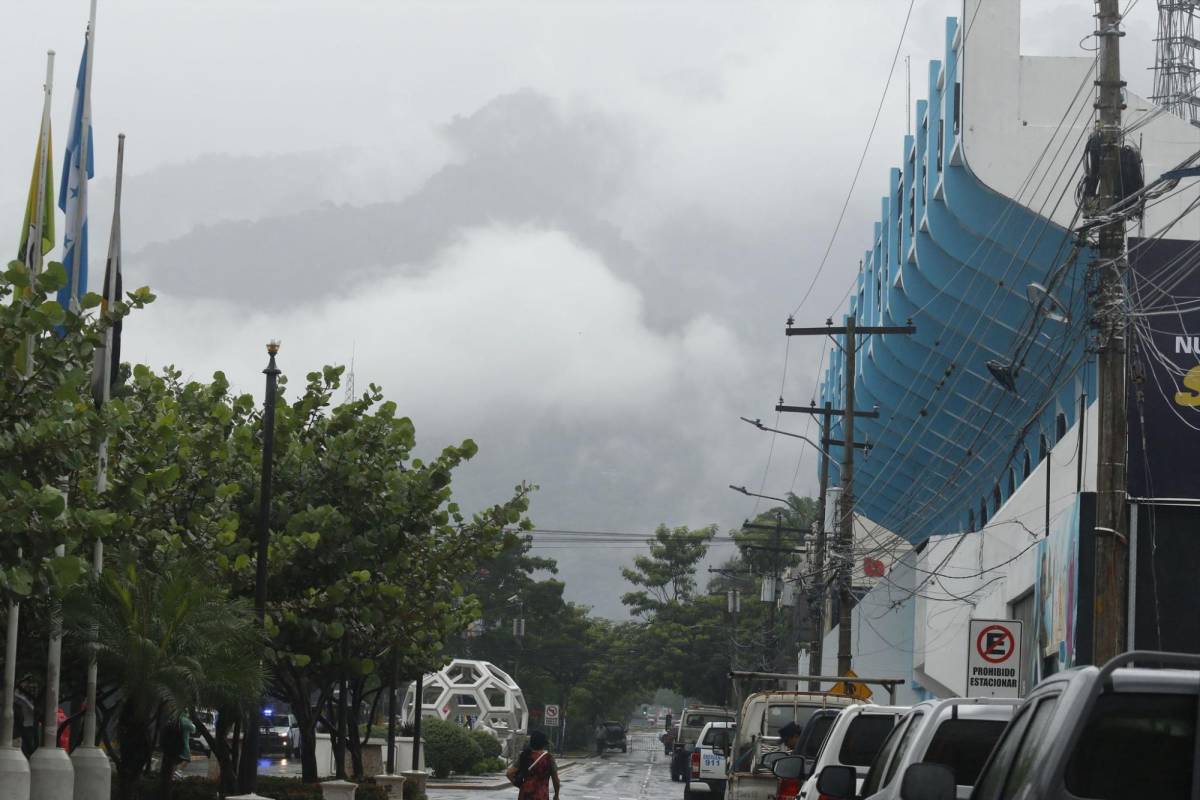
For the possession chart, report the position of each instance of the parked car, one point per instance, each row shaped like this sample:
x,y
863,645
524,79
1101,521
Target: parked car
x,y
853,741
761,716
691,722
610,735
958,734
1127,729
708,760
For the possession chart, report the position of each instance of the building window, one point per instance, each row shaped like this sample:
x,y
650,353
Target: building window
x,y
1060,427
957,107
970,521
1012,481
941,140
1026,466
924,182
912,210
1042,448
996,497
983,515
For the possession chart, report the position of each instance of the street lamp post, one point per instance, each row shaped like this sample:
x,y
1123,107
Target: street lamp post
x,y
248,769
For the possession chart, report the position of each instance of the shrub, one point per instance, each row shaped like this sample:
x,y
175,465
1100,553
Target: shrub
x,y
448,747
487,765
489,745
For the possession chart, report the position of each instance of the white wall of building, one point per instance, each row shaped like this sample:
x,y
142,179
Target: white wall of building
x,y
882,626
1007,125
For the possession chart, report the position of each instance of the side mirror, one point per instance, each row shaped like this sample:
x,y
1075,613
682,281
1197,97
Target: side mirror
x,y
789,767
837,782
768,760
928,782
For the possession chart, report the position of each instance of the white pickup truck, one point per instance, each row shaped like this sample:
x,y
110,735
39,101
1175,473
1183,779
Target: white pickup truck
x,y
761,717
709,757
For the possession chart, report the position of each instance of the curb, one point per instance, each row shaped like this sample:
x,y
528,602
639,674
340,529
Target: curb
x,y
485,787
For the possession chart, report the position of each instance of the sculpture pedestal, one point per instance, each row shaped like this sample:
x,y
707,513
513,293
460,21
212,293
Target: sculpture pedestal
x,y
14,774
93,773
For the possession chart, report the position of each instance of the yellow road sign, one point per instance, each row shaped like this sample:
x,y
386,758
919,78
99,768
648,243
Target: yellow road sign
x,y
856,690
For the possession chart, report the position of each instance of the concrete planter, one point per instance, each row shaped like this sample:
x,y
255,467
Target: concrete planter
x,y
393,785
414,783
14,774
338,790
404,754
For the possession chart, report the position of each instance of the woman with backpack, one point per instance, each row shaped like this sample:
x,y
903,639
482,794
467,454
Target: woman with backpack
x,y
534,770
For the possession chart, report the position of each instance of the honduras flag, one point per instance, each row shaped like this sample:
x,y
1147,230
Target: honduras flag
x,y
72,193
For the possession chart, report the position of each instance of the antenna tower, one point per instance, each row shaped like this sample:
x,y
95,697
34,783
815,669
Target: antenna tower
x,y
350,396
1175,72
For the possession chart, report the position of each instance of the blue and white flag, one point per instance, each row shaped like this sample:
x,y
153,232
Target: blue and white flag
x,y
72,193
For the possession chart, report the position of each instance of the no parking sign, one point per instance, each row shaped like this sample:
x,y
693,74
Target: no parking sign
x,y
994,658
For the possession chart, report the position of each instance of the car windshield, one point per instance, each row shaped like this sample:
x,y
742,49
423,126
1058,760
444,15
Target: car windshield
x,y
864,736
778,716
815,733
963,745
717,738
700,720
1136,745
278,721
613,727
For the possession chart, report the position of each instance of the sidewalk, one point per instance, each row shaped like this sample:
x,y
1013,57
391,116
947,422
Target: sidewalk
x,y
491,782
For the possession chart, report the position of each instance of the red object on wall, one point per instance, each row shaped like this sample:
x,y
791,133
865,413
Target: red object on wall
x,y
873,568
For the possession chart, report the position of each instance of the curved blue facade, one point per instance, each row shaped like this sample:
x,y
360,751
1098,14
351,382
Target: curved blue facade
x,y
955,257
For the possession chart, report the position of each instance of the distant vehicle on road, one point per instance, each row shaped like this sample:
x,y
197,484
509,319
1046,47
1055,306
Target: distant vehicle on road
x,y
1127,729
708,760
691,722
611,735
278,734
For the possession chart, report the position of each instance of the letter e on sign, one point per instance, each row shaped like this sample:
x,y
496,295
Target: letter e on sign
x,y
994,658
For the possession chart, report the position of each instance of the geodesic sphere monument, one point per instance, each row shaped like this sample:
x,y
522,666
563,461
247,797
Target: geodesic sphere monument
x,y
476,690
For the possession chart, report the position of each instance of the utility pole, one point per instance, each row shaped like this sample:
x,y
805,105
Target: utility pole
x,y
817,601
844,549
1112,543
777,551
845,517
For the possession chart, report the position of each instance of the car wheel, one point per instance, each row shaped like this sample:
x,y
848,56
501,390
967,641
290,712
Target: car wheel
x,y
624,749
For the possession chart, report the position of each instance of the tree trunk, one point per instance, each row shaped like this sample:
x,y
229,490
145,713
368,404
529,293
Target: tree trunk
x,y
132,755
339,748
353,721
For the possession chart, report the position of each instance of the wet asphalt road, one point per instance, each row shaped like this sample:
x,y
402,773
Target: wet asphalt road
x,y
641,774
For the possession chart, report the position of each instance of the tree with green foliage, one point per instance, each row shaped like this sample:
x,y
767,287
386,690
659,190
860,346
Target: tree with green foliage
x,y
366,548
668,575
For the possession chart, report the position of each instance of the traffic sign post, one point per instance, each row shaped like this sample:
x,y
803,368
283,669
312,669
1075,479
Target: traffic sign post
x,y
994,658
551,717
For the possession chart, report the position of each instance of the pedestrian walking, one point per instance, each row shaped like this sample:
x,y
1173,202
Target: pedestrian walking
x,y
535,770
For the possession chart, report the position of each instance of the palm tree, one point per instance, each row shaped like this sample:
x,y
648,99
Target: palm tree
x,y
169,639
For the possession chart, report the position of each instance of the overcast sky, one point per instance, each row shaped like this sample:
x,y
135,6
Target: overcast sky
x,y
571,231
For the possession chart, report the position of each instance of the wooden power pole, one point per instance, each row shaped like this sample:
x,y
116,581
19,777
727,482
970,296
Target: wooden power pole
x,y
1112,543
843,551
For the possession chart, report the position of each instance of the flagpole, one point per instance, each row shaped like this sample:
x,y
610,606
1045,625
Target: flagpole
x,y
14,768
85,124
52,775
93,773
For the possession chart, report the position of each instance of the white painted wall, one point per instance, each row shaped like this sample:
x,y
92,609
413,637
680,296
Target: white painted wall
x,y
1004,552
882,628
1013,103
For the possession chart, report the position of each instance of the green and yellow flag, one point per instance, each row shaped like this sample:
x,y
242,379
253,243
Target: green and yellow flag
x,y
39,223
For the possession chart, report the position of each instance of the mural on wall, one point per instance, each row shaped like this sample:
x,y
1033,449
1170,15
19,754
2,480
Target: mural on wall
x,y
1057,585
